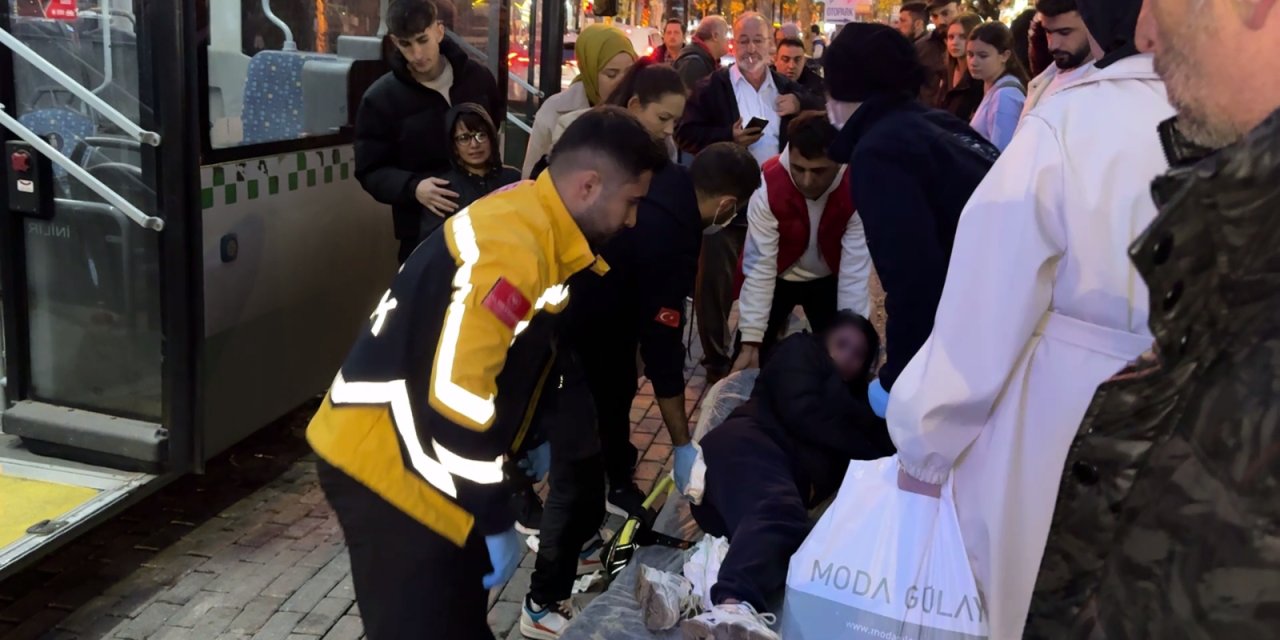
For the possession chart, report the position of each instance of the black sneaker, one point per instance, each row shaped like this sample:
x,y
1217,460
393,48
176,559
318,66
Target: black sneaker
x,y
528,508
625,501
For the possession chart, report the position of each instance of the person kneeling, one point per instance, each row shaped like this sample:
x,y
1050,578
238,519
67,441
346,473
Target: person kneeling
x,y
783,452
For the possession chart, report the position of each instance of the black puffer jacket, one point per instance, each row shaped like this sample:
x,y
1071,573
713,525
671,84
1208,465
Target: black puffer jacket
x,y
469,186
401,136
1167,523
822,422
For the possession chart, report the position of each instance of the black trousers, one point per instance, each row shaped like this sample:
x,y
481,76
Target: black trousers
x,y
816,297
410,582
611,376
751,498
713,297
575,500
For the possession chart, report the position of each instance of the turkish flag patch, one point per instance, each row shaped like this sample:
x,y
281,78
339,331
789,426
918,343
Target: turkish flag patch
x,y
668,317
506,302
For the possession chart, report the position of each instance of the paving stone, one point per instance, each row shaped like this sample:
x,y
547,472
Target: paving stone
x,y
649,426
148,621
347,628
278,626
503,617
186,588
345,589
323,554
309,594
243,578
648,470
290,581
641,441
291,514
89,613
323,617
213,622
255,614
518,587
658,452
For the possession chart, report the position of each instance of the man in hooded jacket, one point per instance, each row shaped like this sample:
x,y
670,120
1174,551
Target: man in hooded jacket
x,y
401,138
1042,307
1165,522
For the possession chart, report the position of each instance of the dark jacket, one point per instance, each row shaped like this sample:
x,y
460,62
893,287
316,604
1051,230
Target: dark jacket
x,y
1166,519
695,64
811,81
469,186
912,170
931,48
401,136
713,108
820,421
963,99
659,55
641,300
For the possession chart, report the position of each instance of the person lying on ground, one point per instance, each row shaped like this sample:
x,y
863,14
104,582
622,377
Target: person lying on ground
x,y
780,454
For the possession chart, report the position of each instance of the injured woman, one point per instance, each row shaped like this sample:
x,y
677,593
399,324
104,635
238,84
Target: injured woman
x,y
780,454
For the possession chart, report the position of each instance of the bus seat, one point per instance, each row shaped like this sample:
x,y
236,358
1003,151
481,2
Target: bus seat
x,y
324,95
273,96
64,129
360,47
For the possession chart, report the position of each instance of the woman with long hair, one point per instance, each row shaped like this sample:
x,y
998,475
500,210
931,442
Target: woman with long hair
x,y
1004,80
959,93
604,54
654,94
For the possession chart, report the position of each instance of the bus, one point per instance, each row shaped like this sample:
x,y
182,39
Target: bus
x,y
185,253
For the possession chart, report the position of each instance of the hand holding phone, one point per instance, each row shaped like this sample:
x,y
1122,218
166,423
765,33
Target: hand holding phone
x,y
757,123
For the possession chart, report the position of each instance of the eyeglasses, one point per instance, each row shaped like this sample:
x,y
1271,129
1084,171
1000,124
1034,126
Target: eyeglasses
x,y
477,137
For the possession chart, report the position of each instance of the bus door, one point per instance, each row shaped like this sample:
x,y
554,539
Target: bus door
x,y
93,270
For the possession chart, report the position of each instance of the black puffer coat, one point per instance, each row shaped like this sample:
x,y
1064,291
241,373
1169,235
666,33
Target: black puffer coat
x,y
819,420
1167,523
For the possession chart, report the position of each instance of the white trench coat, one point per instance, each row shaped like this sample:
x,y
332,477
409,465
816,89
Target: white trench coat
x,y
1041,305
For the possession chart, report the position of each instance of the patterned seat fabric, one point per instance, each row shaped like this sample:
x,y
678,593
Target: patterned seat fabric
x,y
273,96
64,129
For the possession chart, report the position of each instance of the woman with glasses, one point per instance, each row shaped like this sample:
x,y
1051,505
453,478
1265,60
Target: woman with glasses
x,y
477,163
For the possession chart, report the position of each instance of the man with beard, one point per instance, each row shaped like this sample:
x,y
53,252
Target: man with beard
x,y
722,109
1042,307
1165,523
912,18
1070,46
442,379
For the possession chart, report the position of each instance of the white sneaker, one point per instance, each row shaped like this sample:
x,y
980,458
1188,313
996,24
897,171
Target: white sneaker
x,y
665,598
731,622
546,623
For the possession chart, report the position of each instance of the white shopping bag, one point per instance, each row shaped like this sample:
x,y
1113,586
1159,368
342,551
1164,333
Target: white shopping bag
x,y
883,563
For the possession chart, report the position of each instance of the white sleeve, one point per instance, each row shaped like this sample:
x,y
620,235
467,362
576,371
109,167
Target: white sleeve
x,y
759,267
540,140
854,292
998,289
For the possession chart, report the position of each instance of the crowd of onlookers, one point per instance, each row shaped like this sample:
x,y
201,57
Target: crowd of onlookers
x,y
1094,368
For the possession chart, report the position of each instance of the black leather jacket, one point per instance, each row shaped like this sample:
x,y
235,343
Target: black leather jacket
x,y
1168,518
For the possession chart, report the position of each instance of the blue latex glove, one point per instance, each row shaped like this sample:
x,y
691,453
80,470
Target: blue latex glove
x,y
504,555
878,397
537,462
686,454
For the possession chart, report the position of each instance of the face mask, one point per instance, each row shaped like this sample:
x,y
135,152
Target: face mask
x,y
717,227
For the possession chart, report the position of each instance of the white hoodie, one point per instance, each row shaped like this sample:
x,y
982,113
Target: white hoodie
x,y
760,259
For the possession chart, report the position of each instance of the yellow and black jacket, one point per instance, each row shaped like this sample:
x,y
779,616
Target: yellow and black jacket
x,y
443,379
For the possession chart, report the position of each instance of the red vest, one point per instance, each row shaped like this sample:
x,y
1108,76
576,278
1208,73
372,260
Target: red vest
x,y
791,210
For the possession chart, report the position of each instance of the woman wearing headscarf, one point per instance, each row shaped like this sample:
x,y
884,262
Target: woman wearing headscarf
x,y
604,54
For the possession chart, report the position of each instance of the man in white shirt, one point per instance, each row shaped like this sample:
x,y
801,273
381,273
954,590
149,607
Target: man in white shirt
x,y
805,244
721,109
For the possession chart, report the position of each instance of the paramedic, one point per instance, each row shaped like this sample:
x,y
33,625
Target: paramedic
x,y
436,389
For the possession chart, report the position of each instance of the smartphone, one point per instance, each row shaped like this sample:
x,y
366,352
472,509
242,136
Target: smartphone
x,y
757,123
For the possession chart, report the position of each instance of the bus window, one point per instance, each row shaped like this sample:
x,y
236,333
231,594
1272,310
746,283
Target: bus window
x,y
257,81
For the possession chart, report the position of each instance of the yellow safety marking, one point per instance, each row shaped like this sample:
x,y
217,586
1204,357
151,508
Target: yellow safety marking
x,y
25,502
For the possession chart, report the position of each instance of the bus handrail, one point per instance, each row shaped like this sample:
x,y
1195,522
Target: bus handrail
x,y
36,60
484,59
79,173
520,124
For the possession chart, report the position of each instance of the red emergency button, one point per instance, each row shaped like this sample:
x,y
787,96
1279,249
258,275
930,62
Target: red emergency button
x,y
20,161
